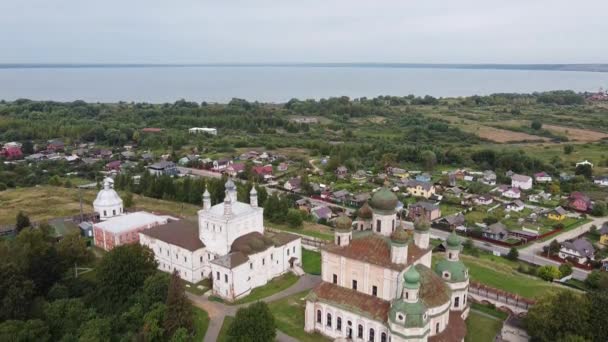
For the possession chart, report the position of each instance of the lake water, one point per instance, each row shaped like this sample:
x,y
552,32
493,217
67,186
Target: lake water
x,y
276,84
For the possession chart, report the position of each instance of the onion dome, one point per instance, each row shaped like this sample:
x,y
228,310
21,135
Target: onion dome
x,y
411,278
365,212
452,271
422,225
453,241
253,191
400,236
229,184
384,201
343,223
107,197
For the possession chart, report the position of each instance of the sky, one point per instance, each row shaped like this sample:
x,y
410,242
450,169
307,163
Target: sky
x,y
261,31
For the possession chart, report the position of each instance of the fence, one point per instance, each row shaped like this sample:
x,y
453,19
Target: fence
x,y
500,296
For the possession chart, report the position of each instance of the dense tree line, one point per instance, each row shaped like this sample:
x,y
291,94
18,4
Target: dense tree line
x,y
126,299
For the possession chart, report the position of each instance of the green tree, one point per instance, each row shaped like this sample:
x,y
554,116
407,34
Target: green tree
x,y
96,330
597,280
513,254
65,316
568,149
179,311
153,330
254,323
28,331
180,335
294,218
55,181
536,125
155,289
598,314
22,221
73,250
554,247
429,160
121,272
599,208
584,170
557,315
16,292
548,272
127,200
565,269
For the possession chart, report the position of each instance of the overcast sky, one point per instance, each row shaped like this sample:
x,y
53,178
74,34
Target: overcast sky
x,y
221,31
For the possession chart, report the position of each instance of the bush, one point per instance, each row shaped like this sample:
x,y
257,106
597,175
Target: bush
x,y
548,273
599,208
597,280
513,254
294,218
565,269
536,125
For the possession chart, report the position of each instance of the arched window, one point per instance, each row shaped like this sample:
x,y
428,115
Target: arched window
x,y
464,299
437,328
450,256
407,295
338,241
339,324
371,335
104,213
114,212
360,331
393,229
383,337
378,225
456,302
328,320
318,316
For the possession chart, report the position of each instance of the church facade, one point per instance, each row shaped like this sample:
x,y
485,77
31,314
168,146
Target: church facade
x,y
379,285
228,244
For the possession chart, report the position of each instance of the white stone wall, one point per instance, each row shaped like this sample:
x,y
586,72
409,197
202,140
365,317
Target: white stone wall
x,y
192,266
388,223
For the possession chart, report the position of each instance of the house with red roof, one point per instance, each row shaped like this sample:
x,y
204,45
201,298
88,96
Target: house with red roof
x,y
579,201
263,171
113,165
11,153
234,169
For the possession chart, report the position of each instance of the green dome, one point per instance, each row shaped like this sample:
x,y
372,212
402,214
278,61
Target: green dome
x,y
411,278
400,236
422,225
384,201
344,223
365,212
457,269
414,313
453,241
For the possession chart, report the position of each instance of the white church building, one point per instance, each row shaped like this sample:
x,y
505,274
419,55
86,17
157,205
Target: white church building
x,y
379,285
228,244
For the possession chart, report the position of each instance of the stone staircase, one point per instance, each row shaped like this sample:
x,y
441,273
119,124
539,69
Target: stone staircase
x,y
297,270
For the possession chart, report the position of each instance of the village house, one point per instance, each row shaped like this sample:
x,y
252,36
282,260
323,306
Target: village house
x,y
205,130
397,172
604,234
483,199
488,178
235,169
283,166
152,130
454,191
163,168
579,202
423,177
538,197
360,176
11,153
579,250
322,213
55,145
339,196
601,180
228,244
514,193
419,189
114,165
293,184
557,214
341,172
542,177
516,206
496,231
455,221
583,163
117,227
522,182
357,200
221,164
382,286
428,210
263,171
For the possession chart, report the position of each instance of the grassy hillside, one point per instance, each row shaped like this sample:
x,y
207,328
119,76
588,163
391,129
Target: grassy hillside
x,y
47,202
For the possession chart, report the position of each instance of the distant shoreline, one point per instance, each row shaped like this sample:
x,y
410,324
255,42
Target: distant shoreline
x,y
600,67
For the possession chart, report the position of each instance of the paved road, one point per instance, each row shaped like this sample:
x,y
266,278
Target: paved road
x,y
530,253
217,311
